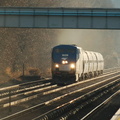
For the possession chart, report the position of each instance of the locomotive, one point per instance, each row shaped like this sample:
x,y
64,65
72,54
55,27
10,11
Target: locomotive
x,y
71,63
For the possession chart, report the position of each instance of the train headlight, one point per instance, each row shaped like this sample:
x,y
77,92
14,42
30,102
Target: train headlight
x,y
56,66
64,62
72,66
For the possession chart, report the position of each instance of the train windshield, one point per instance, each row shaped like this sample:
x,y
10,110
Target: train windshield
x,y
64,52
58,50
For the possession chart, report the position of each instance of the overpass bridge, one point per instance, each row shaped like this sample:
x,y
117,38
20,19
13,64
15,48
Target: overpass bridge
x,y
59,18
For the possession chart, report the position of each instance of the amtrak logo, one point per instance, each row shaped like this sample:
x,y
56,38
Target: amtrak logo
x,y
65,55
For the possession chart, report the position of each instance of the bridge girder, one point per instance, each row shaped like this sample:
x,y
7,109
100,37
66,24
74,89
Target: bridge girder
x,y
60,18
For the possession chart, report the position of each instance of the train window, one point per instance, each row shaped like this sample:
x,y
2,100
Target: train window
x,y
65,50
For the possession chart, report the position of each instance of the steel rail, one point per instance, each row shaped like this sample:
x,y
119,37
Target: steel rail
x,y
100,106
45,80
21,87
47,102
25,98
57,112
24,84
52,91
26,91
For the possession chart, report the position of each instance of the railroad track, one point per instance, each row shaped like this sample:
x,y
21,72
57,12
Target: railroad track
x,y
78,104
29,85
47,88
22,95
60,97
24,86
106,109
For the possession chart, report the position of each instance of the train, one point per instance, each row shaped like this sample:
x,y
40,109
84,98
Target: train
x,y
71,63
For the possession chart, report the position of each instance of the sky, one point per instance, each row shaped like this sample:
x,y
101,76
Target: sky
x,y
116,3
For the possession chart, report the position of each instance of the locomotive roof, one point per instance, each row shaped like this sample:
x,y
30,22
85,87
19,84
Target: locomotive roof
x,y
70,45
66,45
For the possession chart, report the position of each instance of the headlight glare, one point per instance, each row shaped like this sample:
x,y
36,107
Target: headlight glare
x,y
64,62
72,66
56,66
